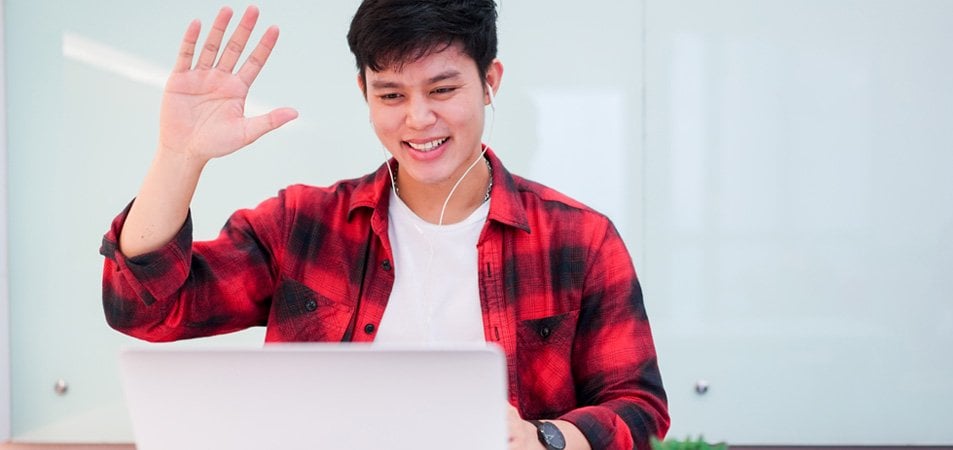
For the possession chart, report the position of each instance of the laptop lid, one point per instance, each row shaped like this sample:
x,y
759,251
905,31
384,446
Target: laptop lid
x,y
316,396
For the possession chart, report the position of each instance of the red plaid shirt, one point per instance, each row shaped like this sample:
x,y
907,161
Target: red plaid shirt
x,y
558,290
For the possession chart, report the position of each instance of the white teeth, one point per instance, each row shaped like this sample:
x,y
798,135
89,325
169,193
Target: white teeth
x,y
426,147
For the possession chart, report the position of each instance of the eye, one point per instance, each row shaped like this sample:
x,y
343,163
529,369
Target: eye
x,y
391,96
444,90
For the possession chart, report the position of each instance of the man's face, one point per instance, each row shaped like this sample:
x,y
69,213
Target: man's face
x,y
430,115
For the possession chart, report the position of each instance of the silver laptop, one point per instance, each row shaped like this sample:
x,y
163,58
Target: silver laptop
x,y
316,396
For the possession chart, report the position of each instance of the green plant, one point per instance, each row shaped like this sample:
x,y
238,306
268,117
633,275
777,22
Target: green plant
x,y
687,444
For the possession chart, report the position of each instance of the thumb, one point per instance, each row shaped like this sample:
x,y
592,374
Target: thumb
x,y
258,126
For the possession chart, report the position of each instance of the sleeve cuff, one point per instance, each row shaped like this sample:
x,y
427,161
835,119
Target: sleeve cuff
x,y
158,273
602,427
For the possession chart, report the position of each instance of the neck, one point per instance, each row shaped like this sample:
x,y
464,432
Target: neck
x,y
426,200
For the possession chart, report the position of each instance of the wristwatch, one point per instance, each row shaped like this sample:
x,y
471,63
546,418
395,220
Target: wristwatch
x,y
549,435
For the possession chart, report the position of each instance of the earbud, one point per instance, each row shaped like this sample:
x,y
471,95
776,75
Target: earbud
x,y
489,90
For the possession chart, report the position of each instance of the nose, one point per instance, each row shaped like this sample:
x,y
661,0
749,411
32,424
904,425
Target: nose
x,y
420,114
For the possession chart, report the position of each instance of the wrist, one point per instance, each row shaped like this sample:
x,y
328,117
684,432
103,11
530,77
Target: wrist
x,y
178,161
549,435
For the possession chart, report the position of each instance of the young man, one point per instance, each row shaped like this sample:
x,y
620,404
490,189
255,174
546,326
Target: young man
x,y
440,244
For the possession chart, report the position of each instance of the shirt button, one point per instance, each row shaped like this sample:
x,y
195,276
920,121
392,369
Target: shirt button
x,y
386,265
544,332
369,328
311,305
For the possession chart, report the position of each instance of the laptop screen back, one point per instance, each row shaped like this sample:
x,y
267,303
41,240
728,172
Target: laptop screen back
x,y
316,396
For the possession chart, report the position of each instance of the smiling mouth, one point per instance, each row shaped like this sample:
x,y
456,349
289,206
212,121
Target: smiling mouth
x,y
427,146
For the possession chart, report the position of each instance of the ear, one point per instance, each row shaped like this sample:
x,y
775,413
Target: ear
x,y
494,75
361,84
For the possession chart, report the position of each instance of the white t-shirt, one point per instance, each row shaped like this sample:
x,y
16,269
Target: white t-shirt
x,y
436,297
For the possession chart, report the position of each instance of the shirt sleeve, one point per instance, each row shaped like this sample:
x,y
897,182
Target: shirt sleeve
x,y
614,359
184,289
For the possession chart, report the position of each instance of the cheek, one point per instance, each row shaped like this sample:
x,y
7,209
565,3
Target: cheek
x,y
465,115
384,122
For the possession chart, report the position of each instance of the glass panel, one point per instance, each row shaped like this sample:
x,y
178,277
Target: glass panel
x,y
798,228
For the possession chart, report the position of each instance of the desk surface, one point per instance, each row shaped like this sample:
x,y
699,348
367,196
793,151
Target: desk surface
x,y
10,446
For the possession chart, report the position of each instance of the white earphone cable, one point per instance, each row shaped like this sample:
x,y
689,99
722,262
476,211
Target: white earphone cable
x,y
443,210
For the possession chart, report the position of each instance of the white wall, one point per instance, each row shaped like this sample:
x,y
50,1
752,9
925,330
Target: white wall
x,y
4,291
799,229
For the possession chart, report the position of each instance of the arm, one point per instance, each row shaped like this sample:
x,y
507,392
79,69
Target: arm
x,y
613,358
190,289
586,358
202,117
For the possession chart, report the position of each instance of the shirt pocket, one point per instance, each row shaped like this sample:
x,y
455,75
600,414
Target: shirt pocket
x,y
299,313
544,353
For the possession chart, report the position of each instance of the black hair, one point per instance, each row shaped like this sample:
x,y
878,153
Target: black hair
x,y
386,34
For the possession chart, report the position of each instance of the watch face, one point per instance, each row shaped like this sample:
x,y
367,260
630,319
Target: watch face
x,y
550,435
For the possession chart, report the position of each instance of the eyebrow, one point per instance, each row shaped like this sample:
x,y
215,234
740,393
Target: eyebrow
x,y
442,76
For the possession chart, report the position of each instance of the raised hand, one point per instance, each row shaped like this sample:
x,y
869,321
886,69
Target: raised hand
x,y
202,117
203,108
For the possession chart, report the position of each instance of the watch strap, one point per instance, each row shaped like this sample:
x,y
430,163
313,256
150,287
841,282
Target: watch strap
x,y
560,442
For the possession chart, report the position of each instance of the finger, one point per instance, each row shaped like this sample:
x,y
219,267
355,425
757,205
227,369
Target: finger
x,y
256,60
187,49
236,45
214,39
256,127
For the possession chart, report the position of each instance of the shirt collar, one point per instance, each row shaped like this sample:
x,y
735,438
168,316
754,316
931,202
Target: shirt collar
x,y
506,204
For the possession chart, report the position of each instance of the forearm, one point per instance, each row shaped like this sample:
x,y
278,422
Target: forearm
x,y
201,117
162,205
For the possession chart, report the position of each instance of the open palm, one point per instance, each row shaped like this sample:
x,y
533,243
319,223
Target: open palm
x,y
203,107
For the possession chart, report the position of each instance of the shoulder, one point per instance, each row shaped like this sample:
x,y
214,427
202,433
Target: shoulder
x,y
538,198
344,187
340,193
